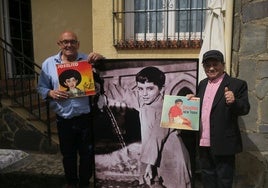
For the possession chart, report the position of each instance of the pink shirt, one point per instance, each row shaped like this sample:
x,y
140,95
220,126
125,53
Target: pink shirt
x,y
208,99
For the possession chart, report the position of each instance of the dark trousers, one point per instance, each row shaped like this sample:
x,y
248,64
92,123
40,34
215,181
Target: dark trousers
x,y
217,171
190,139
75,137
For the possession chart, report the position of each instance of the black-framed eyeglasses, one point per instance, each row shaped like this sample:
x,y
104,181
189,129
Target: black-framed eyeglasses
x,y
66,42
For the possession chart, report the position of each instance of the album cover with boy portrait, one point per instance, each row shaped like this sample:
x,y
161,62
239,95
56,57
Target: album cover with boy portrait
x,y
76,78
180,113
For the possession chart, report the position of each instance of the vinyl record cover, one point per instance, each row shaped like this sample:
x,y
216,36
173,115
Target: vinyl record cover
x,y
76,78
180,113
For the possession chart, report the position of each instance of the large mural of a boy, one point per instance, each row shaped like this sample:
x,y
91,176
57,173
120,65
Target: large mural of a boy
x,y
131,149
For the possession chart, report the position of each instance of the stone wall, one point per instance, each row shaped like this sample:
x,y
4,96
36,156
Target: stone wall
x,y
250,62
19,133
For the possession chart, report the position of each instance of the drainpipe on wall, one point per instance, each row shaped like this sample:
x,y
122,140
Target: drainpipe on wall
x,y
228,34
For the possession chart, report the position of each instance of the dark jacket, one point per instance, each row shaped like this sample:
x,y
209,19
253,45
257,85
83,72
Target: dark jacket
x,y
225,137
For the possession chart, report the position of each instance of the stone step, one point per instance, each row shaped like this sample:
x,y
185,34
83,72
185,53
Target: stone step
x,y
21,131
23,91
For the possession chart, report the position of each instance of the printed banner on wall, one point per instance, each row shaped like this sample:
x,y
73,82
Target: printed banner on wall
x,y
131,149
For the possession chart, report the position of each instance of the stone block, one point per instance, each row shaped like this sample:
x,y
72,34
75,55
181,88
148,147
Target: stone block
x,y
263,111
262,88
249,121
262,69
236,34
255,142
263,128
251,170
254,39
254,11
247,66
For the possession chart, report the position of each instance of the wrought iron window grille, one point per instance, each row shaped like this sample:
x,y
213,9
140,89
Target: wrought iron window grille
x,y
158,24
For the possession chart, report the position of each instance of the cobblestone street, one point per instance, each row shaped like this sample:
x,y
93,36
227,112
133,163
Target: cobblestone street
x,y
38,164
34,170
38,170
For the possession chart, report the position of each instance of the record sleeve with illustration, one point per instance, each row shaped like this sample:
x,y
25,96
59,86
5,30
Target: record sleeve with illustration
x,y
180,113
76,78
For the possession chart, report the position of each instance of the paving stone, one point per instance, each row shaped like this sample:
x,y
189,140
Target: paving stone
x,y
35,170
8,157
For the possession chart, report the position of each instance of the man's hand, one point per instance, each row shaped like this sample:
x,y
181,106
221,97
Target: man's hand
x,y
229,96
189,96
93,57
57,94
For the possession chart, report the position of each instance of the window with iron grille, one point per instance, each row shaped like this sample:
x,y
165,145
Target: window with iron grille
x,y
141,24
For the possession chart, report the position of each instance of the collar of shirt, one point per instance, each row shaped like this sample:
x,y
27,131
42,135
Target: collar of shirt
x,y
58,57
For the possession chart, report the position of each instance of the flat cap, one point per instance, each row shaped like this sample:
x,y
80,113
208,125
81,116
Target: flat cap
x,y
213,54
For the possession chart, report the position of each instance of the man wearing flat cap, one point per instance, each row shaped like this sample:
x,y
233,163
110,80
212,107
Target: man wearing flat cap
x,y
223,99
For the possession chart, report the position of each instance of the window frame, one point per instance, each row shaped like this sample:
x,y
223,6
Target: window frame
x,y
168,38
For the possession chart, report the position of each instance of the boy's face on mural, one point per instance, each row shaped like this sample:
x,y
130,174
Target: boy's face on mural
x,y
71,83
148,92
